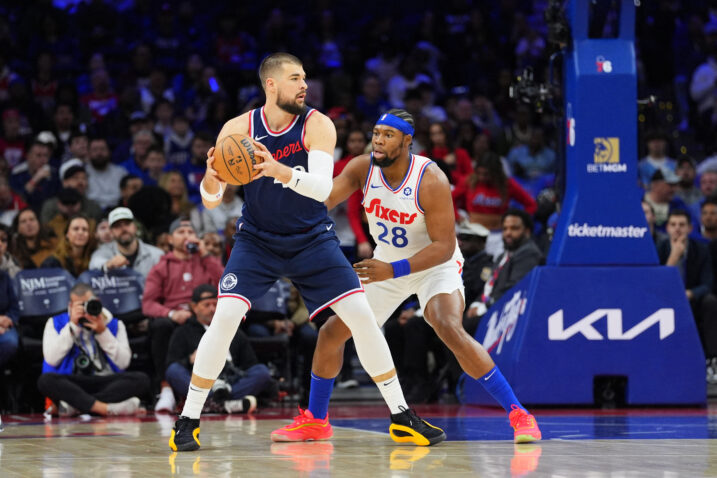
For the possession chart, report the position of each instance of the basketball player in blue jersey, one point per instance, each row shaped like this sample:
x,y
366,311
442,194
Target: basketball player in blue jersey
x,y
408,204
285,232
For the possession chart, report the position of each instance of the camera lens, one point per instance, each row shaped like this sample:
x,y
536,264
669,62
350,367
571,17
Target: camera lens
x,y
93,307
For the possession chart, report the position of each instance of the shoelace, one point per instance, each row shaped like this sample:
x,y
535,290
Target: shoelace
x,y
521,417
412,417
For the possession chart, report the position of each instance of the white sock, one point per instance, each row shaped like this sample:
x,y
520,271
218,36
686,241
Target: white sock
x,y
125,407
392,394
195,401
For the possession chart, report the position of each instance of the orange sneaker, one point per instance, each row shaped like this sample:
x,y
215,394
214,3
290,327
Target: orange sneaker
x,y
304,428
524,424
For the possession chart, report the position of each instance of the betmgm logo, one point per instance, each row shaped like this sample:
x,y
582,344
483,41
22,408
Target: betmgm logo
x,y
606,156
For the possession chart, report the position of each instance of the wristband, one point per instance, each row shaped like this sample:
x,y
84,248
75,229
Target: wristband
x,y
209,196
401,268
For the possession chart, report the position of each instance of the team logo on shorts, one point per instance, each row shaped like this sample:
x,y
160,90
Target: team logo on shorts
x,y
229,281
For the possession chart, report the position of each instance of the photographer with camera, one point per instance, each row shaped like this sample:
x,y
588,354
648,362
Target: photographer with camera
x,y
85,353
168,292
243,377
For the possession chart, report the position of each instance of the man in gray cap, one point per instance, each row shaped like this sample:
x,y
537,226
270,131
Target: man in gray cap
x,y
126,249
74,176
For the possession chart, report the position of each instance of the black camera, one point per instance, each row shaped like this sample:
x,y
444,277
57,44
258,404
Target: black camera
x,y
93,307
192,247
83,364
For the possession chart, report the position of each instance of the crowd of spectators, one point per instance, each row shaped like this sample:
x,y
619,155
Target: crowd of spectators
x,y
108,109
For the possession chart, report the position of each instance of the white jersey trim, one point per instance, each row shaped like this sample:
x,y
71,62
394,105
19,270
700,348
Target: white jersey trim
x,y
262,115
418,185
405,179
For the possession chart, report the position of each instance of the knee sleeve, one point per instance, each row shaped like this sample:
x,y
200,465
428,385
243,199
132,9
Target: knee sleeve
x,y
371,346
213,348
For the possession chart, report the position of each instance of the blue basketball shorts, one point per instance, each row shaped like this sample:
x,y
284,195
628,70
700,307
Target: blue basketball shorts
x,y
313,261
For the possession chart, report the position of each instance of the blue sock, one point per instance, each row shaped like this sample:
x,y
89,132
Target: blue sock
x,y
494,383
319,395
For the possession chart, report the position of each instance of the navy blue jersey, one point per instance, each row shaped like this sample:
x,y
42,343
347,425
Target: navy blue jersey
x,y
268,204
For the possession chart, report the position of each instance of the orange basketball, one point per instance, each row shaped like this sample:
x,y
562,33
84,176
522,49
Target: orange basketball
x,y
234,159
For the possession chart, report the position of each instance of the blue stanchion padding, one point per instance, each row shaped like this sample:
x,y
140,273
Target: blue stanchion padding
x,y
43,292
274,300
562,326
119,290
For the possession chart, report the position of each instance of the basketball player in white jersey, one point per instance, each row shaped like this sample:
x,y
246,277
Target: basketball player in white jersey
x,y
408,204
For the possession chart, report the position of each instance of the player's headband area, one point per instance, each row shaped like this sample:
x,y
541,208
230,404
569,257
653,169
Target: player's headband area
x,y
395,122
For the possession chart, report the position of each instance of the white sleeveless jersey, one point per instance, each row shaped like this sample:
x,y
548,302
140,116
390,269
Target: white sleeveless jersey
x,y
395,216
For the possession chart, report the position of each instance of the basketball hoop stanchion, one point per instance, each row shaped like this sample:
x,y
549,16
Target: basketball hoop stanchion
x,y
602,310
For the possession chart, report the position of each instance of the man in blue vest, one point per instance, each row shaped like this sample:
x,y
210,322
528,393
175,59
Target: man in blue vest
x,y
85,353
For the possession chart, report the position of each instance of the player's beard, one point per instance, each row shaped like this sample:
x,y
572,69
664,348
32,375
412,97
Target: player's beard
x,y
290,106
386,161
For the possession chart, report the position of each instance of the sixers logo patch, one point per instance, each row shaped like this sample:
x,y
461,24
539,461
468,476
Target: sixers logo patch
x,y
229,281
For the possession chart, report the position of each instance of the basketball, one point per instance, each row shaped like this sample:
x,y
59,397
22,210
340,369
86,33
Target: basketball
x,y
234,159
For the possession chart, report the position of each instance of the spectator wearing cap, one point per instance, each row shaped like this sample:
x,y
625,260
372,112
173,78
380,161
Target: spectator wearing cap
x,y
34,178
661,196
658,145
12,144
686,189
73,176
126,249
243,377
478,264
103,177
169,286
10,202
138,121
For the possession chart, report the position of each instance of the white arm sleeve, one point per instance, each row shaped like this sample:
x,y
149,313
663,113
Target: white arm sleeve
x,y
317,182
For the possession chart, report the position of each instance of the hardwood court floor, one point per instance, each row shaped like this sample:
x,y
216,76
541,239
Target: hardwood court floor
x,y
591,443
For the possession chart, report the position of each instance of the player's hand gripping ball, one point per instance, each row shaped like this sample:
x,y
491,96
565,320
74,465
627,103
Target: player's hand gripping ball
x,y
234,159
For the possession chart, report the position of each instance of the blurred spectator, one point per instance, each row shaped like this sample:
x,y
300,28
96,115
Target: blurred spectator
x,y
214,244
529,161
7,262
34,178
178,144
129,184
79,146
243,377
162,112
173,183
142,141
186,84
478,266
193,170
214,220
103,234
73,176
31,243
163,242
686,189
519,131
9,315
126,249
455,162
103,177
692,259
101,101
62,123
74,248
657,149
348,215
44,84
168,291
657,236
98,383
371,104
10,203
708,183
485,116
702,85
520,257
661,196
486,195
154,163
12,142
708,220
407,78
155,91
138,121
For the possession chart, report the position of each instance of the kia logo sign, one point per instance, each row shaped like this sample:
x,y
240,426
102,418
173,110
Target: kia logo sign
x,y
665,318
